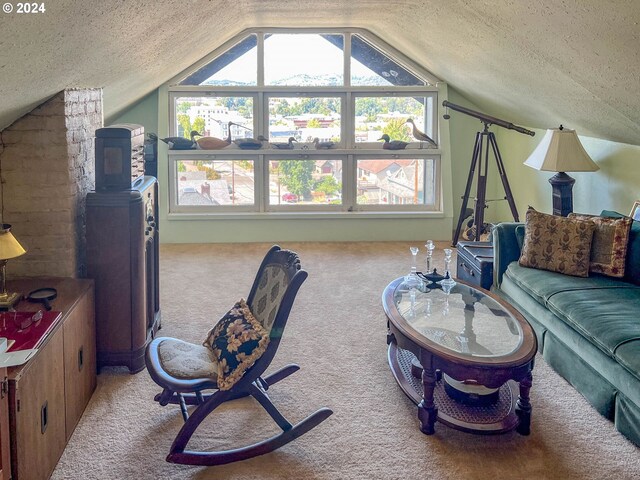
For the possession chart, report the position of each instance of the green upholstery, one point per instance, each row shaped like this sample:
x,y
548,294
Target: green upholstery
x,y
542,284
628,355
505,249
588,329
609,318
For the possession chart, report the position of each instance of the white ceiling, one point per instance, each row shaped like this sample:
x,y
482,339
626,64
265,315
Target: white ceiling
x,y
534,63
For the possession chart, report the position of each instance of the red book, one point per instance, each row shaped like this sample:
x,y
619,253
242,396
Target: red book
x,y
26,329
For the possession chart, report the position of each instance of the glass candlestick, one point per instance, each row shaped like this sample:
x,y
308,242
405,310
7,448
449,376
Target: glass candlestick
x,y
447,268
430,248
412,280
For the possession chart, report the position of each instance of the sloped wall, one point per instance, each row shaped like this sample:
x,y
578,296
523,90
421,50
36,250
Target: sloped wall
x,y
47,168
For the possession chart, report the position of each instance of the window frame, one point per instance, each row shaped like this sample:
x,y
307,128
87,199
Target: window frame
x,y
348,151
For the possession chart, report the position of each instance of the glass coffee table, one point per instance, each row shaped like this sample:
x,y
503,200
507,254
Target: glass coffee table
x,y
464,356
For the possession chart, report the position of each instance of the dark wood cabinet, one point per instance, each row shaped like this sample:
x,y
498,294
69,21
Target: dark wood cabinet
x,y
5,442
122,258
48,394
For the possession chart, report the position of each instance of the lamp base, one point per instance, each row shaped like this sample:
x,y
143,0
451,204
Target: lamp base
x,y
562,186
9,299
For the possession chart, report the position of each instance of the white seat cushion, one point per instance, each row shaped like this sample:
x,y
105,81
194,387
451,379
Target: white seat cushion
x,y
185,360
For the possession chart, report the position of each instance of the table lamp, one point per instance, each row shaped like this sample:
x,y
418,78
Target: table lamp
x,y
561,151
9,248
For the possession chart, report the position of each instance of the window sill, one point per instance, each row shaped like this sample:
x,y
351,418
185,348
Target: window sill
x,y
304,215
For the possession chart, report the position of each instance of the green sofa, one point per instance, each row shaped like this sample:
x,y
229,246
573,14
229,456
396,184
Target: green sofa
x,y
588,329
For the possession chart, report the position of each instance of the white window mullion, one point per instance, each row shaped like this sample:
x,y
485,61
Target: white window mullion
x,y
260,53
347,59
349,183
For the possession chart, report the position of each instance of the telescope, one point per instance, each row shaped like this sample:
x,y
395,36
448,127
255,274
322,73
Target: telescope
x,y
485,143
486,119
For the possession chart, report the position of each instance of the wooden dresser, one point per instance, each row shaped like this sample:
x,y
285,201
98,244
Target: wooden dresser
x,y
49,393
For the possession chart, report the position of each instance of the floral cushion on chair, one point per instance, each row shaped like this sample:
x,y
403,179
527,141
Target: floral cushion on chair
x,y
237,341
557,244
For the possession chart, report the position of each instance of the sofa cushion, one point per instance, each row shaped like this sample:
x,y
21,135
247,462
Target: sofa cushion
x,y
557,244
632,269
608,317
628,355
541,284
609,246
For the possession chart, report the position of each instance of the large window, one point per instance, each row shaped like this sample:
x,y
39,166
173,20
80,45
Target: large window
x,y
294,121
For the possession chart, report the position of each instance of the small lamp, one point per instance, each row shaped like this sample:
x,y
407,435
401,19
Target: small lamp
x,y
561,151
9,248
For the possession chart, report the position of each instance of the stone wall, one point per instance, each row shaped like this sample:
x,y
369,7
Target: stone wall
x,y
46,170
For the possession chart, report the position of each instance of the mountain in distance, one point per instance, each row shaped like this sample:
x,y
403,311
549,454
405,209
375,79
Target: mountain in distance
x,y
303,80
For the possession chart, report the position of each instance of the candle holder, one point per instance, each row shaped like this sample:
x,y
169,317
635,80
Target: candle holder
x,y
447,280
412,280
430,246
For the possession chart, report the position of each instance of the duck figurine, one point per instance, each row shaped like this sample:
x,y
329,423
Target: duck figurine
x,y
250,143
180,143
285,146
322,145
213,143
392,144
420,136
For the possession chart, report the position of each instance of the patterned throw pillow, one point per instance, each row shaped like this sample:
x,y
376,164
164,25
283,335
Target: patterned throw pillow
x,y
609,247
557,244
237,341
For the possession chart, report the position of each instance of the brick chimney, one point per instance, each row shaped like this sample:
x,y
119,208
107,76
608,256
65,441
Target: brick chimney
x,y
46,170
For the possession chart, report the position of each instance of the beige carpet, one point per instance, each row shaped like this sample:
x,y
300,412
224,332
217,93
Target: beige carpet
x,y
336,333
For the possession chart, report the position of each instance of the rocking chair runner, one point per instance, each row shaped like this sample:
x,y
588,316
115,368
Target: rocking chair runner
x,y
185,370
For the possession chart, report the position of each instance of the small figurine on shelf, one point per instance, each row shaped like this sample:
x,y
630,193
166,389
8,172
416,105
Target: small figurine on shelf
x,y
392,144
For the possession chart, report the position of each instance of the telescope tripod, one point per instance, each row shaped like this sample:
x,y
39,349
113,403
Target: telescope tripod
x,y
480,161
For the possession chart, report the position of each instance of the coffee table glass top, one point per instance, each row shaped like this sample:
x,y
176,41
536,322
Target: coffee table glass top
x,y
461,319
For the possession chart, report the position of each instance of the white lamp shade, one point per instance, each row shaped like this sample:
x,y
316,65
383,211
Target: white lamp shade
x,y
561,151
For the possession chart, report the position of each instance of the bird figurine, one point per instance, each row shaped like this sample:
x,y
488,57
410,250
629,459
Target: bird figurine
x,y
392,144
322,145
180,143
285,146
250,143
213,143
420,136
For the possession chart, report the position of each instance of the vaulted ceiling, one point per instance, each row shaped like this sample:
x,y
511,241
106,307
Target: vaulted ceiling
x,y
537,64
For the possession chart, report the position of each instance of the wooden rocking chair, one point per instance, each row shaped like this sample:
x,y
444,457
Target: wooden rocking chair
x,y
270,300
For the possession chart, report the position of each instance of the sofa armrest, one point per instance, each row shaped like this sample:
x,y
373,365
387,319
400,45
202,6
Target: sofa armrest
x,y
505,249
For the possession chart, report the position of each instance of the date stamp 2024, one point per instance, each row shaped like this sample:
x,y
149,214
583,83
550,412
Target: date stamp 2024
x,y
24,7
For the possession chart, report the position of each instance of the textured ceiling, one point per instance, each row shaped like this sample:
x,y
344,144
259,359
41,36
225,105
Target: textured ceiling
x,y
538,64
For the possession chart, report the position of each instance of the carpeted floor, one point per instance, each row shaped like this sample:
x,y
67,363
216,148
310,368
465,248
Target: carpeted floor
x,y
336,333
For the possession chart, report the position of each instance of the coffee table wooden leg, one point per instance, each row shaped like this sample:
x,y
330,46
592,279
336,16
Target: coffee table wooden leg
x,y
523,406
427,411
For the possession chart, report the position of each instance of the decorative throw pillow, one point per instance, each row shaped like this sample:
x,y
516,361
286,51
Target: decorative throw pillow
x,y
557,244
632,268
609,247
237,341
